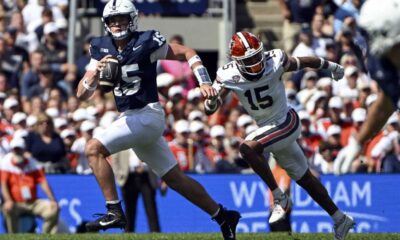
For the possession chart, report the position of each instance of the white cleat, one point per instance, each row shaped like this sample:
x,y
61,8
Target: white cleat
x,y
281,207
342,229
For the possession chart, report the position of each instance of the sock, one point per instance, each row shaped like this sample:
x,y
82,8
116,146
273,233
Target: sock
x,y
277,193
337,216
216,213
113,202
218,216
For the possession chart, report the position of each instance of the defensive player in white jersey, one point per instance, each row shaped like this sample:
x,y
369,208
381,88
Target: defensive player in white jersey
x,y
255,77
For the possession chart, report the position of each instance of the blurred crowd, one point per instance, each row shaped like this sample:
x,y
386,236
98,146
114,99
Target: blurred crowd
x,y
38,103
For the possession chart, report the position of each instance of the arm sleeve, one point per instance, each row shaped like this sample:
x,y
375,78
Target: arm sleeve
x,y
92,65
160,53
279,58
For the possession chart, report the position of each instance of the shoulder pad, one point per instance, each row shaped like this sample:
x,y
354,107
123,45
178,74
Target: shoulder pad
x,y
152,39
277,57
99,47
228,72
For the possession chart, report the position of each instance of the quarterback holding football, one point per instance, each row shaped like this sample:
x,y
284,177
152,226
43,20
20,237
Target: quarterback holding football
x,y
255,77
141,124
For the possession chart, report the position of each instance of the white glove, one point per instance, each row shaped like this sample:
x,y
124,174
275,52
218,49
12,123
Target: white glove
x,y
346,156
336,70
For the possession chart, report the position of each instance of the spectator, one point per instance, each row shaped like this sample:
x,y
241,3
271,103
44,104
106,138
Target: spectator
x,y
17,53
46,83
176,104
20,176
10,107
46,146
217,153
295,13
69,136
25,39
198,136
182,148
387,150
181,71
36,106
8,65
79,144
3,83
305,46
2,19
31,77
350,8
310,139
309,81
135,179
33,10
323,160
347,45
54,50
47,17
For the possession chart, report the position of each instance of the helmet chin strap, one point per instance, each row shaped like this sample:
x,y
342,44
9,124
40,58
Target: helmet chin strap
x,y
121,35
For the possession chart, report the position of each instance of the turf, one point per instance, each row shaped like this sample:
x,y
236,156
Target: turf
x,y
197,236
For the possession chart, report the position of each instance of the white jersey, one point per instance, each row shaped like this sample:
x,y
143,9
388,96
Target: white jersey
x,y
264,99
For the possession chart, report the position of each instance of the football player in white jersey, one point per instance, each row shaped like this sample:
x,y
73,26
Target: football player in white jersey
x,y
255,77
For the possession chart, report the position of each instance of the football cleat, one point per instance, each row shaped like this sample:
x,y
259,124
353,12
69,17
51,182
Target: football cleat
x,y
281,207
227,221
342,228
114,218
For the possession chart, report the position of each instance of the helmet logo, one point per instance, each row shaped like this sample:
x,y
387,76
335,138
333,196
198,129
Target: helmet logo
x,y
113,5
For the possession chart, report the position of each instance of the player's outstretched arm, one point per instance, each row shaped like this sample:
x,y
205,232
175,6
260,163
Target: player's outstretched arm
x,y
177,51
297,63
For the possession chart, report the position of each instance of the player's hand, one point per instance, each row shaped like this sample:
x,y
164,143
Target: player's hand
x,y
208,91
101,64
346,156
337,71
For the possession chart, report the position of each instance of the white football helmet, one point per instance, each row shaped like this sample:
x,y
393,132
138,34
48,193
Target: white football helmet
x,y
381,19
120,7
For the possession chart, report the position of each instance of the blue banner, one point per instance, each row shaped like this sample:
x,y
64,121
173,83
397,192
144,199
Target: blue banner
x,y
373,200
166,8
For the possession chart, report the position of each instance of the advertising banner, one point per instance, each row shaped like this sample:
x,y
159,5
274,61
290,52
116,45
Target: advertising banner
x,y
373,201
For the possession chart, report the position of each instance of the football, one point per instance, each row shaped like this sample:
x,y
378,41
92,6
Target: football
x,y
109,75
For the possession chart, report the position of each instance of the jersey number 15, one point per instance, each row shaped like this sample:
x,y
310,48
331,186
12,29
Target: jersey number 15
x,y
261,101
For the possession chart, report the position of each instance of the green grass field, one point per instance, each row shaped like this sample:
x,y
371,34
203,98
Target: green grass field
x,y
197,236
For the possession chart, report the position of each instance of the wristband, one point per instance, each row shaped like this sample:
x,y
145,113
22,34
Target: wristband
x,y
322,63
331,66
87,86
194,60
297,63
202,75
